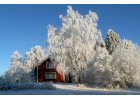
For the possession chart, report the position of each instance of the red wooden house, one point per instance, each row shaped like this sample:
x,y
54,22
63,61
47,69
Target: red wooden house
x,y
47,71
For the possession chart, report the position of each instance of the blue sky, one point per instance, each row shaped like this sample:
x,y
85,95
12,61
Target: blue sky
x,y
24,26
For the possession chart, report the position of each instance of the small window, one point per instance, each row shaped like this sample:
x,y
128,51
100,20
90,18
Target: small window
x,y
50,75
48,65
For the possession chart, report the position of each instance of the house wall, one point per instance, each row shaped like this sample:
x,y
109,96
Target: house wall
x,y
60,77
41,73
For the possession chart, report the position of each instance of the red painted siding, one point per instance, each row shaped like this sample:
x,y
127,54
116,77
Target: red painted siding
x,y
42,70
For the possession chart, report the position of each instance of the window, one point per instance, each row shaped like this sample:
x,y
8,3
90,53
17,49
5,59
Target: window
x,y
48,65
50,75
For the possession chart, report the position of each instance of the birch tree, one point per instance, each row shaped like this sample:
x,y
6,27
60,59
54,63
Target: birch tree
x,y
72,45
15,71
32,59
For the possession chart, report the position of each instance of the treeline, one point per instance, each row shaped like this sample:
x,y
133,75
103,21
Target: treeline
x,y
79,48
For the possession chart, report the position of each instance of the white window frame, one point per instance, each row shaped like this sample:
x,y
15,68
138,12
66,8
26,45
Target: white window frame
x,y
46,77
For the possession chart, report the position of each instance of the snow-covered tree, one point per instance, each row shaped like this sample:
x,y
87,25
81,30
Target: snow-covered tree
x,y
15,70
99,70
78,47
73,44
32,58
23,70
112,40
125,64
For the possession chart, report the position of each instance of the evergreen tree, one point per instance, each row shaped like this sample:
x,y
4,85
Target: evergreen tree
x,y
112,40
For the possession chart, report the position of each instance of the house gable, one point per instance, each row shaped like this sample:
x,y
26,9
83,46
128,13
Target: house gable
x,y
46,71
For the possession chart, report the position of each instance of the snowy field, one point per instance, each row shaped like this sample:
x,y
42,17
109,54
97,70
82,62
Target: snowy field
x,y
71,89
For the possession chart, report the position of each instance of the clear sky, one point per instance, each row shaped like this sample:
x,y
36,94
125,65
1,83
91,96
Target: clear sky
x,y
24,26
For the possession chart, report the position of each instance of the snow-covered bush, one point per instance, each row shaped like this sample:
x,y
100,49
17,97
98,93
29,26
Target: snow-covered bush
x,y
119,70
6,85
99,71
126,64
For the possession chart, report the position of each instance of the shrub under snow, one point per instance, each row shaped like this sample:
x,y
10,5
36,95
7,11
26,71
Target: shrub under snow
x,y
126,64
99,71
5,85
119,70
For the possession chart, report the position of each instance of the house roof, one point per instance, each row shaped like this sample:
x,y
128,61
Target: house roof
x,y
42,62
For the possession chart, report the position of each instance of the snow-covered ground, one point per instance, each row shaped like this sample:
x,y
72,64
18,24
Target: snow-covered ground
x,y
71,89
